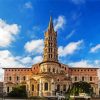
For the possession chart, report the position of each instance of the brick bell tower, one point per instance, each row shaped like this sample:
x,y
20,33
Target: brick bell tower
x,y
50,44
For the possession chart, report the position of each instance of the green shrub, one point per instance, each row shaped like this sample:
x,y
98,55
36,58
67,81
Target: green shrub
x,y
18,91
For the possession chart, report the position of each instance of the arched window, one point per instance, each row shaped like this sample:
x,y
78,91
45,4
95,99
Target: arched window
x,y
24,78
58,87
53,69
7,89
10,78
17,78
46,86
75,78
49,49
32,87
83,78
90,78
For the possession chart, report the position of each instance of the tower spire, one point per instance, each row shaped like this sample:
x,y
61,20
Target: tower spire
x,y
50,27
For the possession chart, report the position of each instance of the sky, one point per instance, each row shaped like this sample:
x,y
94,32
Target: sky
x,y
23,23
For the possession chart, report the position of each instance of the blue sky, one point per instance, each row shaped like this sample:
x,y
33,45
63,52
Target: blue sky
x,y
23,23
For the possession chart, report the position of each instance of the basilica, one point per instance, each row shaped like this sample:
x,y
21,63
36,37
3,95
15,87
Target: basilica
x,y
49,76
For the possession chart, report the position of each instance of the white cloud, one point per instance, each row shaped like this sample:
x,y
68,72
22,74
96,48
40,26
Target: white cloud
x,y
78,2
35,46
28,5
8,60
26,60
7,33
97,62
70,34
37,59
29,60
82,63
70,48
95,49
86,63
59,23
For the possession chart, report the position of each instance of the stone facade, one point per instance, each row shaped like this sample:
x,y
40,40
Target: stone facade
x,y
89,75
49,76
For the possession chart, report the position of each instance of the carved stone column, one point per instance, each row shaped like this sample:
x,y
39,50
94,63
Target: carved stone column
x,y
40,88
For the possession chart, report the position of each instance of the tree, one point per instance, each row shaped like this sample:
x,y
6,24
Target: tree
x,y
81,87
18,91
